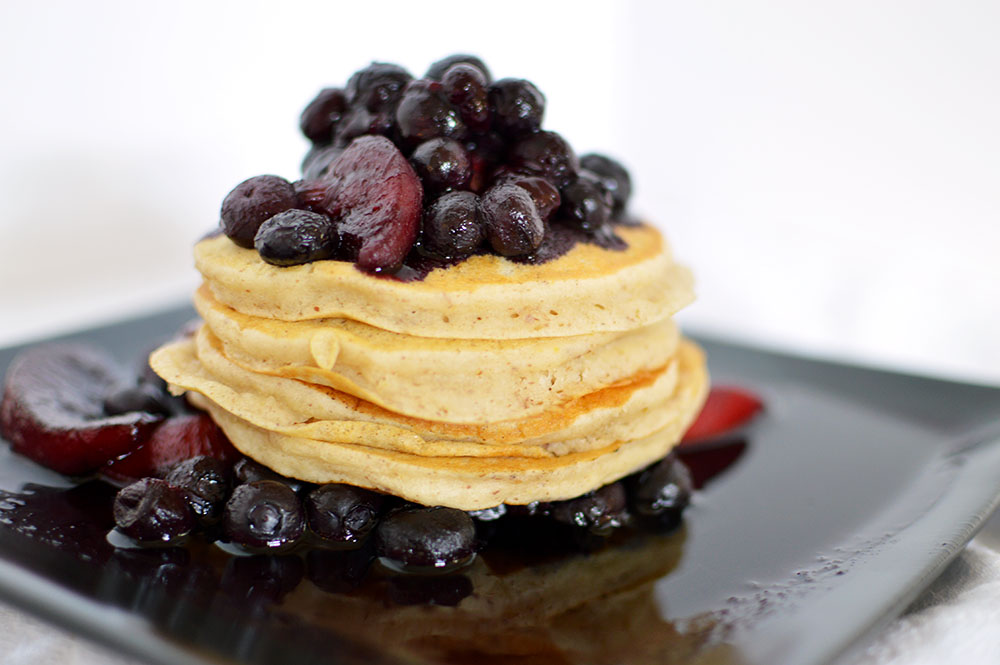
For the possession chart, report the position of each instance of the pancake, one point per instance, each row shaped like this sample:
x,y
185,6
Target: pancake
x,y
457,381
624,411
588,290
467,482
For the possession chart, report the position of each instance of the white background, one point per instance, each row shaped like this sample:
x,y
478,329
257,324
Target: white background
x,y
831,170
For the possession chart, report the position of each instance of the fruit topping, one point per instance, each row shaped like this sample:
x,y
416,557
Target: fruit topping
x,y
426,539
662,491
442,165
264,515
247,471
511,221
321,116
251,203
343,514
437,70
451,227
424,112
294,237
543,194
206,483
315,166
517,107
375,197
601,511
586,203
726,409
175,440
152,511
613,176
466,87
53,409
546,154
377,87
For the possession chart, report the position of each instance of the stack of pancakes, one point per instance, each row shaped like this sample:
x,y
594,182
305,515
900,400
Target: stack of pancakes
x,y
483,383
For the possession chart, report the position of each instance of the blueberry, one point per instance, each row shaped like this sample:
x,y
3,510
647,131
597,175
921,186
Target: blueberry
x,y
465,86
251,203
424,539
424,113
543,193
614,177
342,513
600,511
377,87
264,515
361,121
153,512
662,491
451,227
442,164
517,107
320,117
247,470
586,203
294,237
143,397
206,480
439,68
512,224
546,154
316,164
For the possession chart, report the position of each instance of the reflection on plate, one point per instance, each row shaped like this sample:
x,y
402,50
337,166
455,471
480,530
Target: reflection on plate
x,y
837,507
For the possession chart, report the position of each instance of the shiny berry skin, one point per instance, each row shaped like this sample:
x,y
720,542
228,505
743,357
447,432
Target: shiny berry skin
x,y
141,397
546,154
206,481
586,203
442,164
361,121
320,117
466,88
343,513
151,511
246,470
613,176
425,539
451,227
600,511
377,87
316,164
294,237
511,222
424,112
251,203
517,107
441,67
662,490
264,515
543,193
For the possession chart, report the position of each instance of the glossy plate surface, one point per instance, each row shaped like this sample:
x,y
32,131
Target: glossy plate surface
x,y
820,521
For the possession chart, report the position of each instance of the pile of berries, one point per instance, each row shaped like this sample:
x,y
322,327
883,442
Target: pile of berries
x,y
446,166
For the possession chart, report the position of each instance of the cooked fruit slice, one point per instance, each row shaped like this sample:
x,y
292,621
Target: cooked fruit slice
x,y
177,439
375,196
724,410
53,409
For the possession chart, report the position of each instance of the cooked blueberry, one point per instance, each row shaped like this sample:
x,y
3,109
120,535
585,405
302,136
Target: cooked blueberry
x,y
143,397
264,515
439,68
466,88
543,193
343,513
424,112
377,87
442,164
614,177
316,164
485,152
153,512
361,121
247,470
511,222
321,116
663,490
546,154
451,227
600,511
586,203
488,514
206,480
296,236
517,107
251,203
421,538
